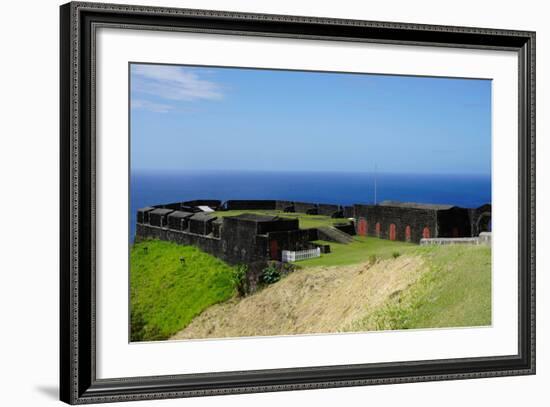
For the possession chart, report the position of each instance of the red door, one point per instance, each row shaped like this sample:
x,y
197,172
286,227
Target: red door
x,y
378,229
362,227
408,233
426,233
455,232
274,250
392,231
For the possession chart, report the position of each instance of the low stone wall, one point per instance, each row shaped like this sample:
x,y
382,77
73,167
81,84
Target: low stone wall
x,y
484,239
305,207
349,229
208,244
395,223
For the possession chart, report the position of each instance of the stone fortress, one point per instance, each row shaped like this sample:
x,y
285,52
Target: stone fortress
x,y
250,238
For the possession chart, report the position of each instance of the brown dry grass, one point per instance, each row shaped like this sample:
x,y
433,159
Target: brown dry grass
x,y
313,300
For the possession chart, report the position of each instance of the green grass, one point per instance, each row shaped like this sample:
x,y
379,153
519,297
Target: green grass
x,y
455,291
360,250
305,221
165,295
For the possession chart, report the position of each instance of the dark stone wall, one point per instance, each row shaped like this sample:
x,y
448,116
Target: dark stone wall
x,y
349,212
207,244
143,214
313,234
416,218
159,217
305,207
285,206
178,220
177,223
278,225
231,250
174,205
349,228
216,228
213,203
200,226
327,210
242,204
454,222
288,240
234,240
480,219
241,243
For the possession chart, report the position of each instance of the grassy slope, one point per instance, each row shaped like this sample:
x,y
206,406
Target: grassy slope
x,y
312,300
360,250
424,287
306,221
454,291
165,295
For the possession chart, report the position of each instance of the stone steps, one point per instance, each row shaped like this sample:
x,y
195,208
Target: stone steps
x,y
331,234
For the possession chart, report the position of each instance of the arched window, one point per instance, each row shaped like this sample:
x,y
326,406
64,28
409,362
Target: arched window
x,y
362,228
408,233
426,233
392,231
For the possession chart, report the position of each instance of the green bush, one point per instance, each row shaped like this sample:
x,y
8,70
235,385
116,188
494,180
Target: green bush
x,y
395,255
239,279
271,274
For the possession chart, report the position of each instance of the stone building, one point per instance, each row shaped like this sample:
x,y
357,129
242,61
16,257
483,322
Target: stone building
x,y
201,223
410,222
179,220
249,237
245,238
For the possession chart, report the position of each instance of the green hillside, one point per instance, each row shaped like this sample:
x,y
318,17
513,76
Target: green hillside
x,y
369,284
422,287
453,291
166,294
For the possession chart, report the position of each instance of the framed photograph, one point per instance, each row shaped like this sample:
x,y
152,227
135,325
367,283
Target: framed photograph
x,y
255,203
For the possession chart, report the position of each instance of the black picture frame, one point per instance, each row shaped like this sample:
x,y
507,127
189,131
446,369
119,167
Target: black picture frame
x,y
78,382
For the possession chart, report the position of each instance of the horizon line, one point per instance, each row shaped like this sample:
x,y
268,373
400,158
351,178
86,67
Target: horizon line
x,y
194,171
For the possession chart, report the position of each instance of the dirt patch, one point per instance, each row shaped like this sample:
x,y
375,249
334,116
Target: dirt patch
x,y
313,300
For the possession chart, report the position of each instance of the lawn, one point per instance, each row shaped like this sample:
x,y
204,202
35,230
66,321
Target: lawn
x,y
165,295
306,221
362,249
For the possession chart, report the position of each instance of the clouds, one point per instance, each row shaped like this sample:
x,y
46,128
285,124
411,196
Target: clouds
x,y
171,83
153,107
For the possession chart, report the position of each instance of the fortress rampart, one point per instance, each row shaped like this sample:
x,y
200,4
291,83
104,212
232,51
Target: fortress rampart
x,y
249,237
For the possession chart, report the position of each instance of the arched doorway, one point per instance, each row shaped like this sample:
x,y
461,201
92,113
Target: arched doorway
x,y
362,227
484,222
274,250
426,233
377,229
408,233
392,231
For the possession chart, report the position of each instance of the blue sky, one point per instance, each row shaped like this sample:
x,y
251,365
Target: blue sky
x,y
205,118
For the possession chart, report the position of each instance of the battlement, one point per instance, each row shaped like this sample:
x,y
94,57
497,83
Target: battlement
x,y
251,237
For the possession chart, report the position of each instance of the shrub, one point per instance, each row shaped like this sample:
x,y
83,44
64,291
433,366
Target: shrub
x,y
372,259
395,255
240,280
271,274
140,331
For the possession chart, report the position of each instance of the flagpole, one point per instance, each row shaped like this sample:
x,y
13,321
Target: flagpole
x,y
375,183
